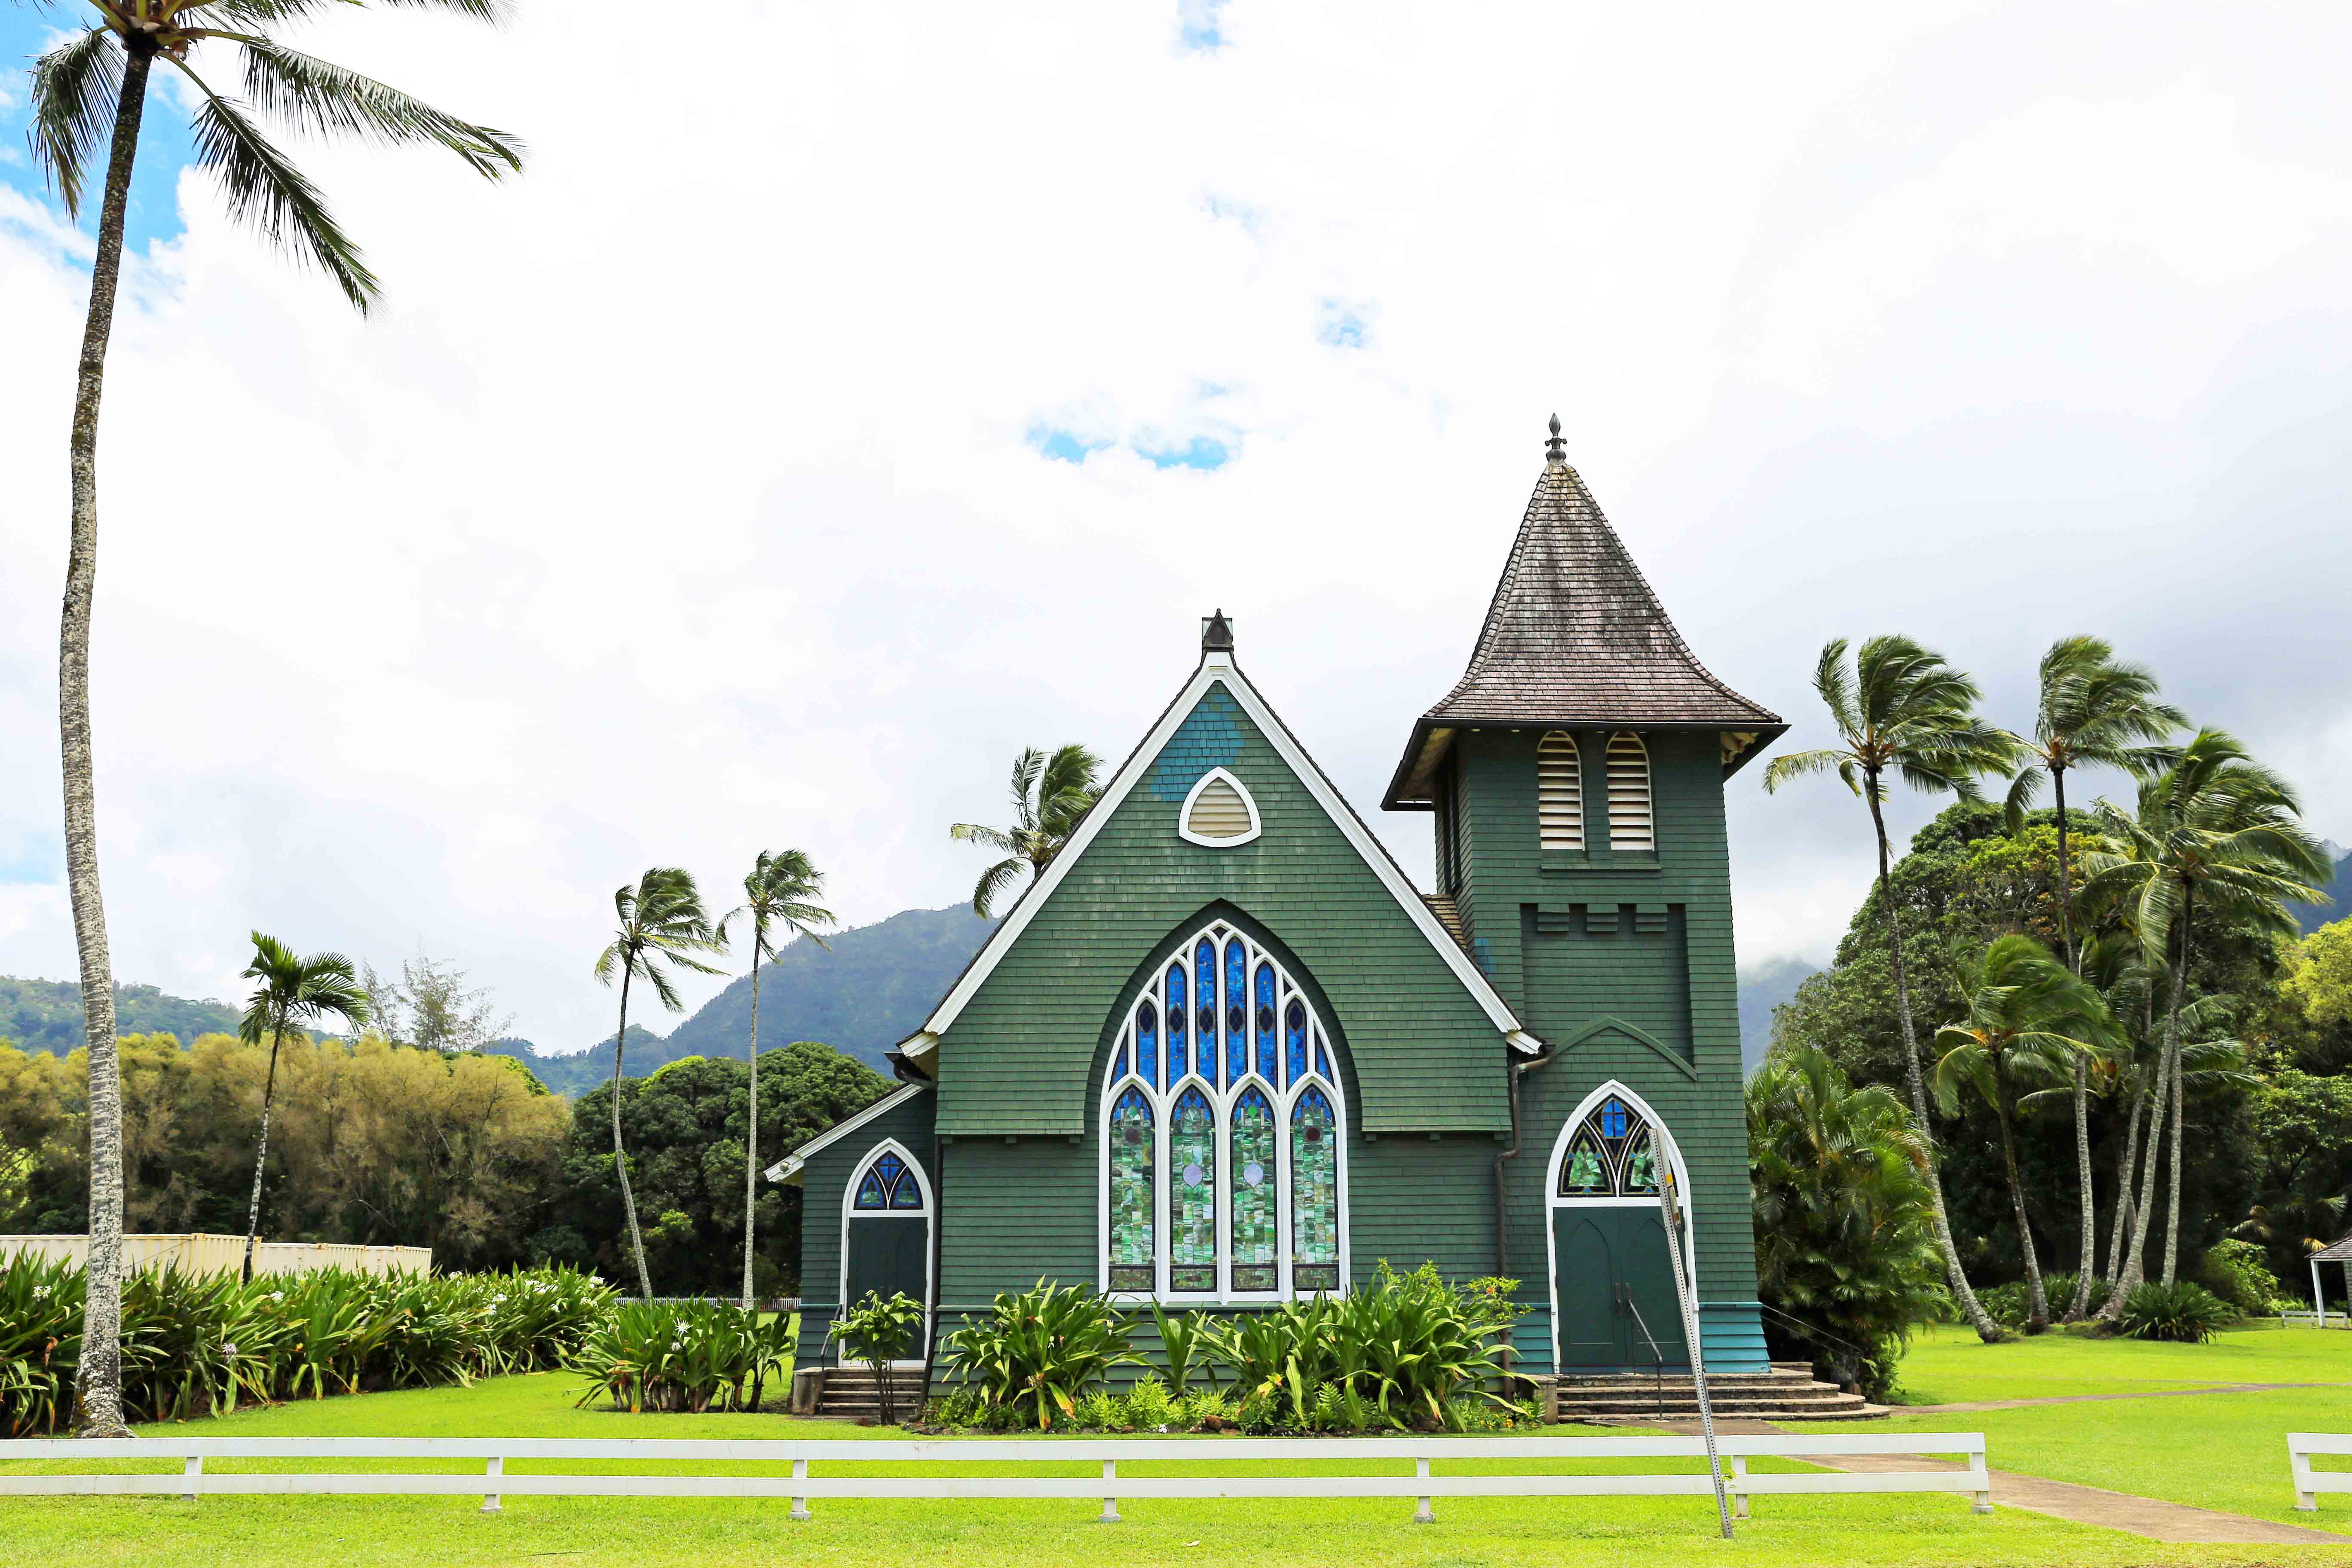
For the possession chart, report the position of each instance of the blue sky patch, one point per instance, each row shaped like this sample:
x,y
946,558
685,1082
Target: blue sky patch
x,y
1199,29
1203,452
165,147
1062,446
1341,327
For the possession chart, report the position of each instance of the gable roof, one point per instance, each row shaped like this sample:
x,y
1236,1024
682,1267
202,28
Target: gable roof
x,y
1218,671
788,1169
1575,639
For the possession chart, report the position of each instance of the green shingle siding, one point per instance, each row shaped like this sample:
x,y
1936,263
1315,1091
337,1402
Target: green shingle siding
x,y
1013,1059
826,1176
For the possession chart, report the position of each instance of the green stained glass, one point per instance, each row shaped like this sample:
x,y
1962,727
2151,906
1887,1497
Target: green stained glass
x,y
1193,1193
1582,1172
1255,1232
1641,1168
1314,1191
1132,1154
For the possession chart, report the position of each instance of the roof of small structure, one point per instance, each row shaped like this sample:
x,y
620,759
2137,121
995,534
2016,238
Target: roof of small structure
x,y
1576,639
2339,1252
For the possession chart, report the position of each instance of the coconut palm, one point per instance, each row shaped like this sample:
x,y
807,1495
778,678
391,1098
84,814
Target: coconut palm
x,y
778,896
1901,709
662,924
2029,1018
2216,829
1049,795
92,89
2094,713
290,990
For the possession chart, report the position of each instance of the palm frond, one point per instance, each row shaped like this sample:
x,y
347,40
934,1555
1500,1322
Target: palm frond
x,y
326,97
986,837
75,88
1801,764
992,882
268,191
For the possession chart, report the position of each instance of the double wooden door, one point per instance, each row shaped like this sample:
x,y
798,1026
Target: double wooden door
x,y
1613,1288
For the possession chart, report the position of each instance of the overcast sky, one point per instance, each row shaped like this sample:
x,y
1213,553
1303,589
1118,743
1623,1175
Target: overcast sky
x,y
850,394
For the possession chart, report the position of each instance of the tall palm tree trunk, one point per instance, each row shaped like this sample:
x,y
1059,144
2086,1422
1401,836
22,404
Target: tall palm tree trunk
x,y
261,1156
1973,1310
2179,1112
752,1138
620,1155
2087,1199
2168,1063
97,1377
2036,1300
2127,1170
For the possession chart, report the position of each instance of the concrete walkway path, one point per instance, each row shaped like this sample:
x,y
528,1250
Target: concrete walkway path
x,y
2148,1516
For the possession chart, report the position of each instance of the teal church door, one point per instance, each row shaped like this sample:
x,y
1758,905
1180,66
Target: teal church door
x,y
889,1253
1613,1288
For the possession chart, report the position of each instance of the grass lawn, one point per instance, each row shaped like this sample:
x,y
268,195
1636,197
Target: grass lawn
x,y
2224,1451
2221,1451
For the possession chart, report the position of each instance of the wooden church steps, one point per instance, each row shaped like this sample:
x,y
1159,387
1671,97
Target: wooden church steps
x,y
849,1394
1787,1393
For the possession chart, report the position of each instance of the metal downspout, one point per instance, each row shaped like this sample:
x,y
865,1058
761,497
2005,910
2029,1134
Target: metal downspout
x,y
1516,1071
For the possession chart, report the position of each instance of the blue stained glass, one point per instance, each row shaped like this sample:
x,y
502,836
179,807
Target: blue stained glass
x,y
1613,1118
1175,1023
908,1193
1118,1063
1322,1062
1294,1024
1147,1042
1236,1010
1265,1066
1204,1005
870,1191
889,1165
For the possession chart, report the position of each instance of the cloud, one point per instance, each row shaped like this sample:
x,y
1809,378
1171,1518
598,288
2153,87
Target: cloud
x,y
766,467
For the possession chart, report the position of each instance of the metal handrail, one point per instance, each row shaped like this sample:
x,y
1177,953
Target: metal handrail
x,y
1657,1356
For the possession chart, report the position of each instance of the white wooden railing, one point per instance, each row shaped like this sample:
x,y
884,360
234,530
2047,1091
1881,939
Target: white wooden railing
x,y
496,1480
2308,1482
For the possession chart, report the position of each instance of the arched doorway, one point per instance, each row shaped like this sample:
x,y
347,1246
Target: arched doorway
x,y
1613,1306
886,1229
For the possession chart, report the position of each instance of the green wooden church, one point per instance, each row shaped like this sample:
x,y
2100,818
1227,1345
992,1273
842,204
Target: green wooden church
x,y
1224,1052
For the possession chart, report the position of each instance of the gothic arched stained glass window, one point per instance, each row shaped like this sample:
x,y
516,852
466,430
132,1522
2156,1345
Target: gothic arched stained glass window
x,y
888,1183
1611,1155
1225,1132
1254,1263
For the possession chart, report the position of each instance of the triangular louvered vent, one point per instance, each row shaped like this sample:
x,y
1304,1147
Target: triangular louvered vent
x,y
1218,812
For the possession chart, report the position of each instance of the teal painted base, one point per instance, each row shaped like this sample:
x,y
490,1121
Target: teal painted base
x,y
1731,1333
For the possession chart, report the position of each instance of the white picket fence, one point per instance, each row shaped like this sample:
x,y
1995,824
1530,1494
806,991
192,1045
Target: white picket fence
x,y
2309,1483
496,1481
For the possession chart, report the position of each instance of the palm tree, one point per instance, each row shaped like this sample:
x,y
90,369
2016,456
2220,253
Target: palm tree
x,y
289,990
2093,711
1903,709
1049,795
2216,828
661,922
2029,1017
93,87
778,894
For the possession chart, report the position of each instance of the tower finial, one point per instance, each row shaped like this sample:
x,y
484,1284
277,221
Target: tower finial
x,y
1555,449
1217,634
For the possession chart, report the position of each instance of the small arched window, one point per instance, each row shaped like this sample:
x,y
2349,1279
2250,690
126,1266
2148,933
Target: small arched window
x,y
1224,1126
889,1184
1559,793
1611,1156
1630,825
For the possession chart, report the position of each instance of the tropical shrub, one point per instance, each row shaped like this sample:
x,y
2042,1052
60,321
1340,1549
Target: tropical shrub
x,y
1184,1341
1038,1352
2239,1273
2181,1313
200,1344
1846,1261
878,1332
683,1355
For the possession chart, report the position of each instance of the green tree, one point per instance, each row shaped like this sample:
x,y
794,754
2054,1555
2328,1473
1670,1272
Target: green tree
x,y
1901,709
778,895
2216,828
1845,1240
289,989
89,89
2319,975
2094,713
662,924
1050,795
2304,1128
2029,1018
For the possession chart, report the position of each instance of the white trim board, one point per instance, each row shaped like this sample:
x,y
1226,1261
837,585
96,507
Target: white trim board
x,y
788,1169
1217,668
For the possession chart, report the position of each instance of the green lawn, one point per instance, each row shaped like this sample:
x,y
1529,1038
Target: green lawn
x,y
2219,1451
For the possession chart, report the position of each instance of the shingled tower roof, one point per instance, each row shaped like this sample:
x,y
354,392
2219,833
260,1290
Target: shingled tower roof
x,y
1575,639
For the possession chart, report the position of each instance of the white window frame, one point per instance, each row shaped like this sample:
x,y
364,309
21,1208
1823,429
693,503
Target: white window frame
x,y
1249,803
928,1213
1222,1097
1662,1139
1548,751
